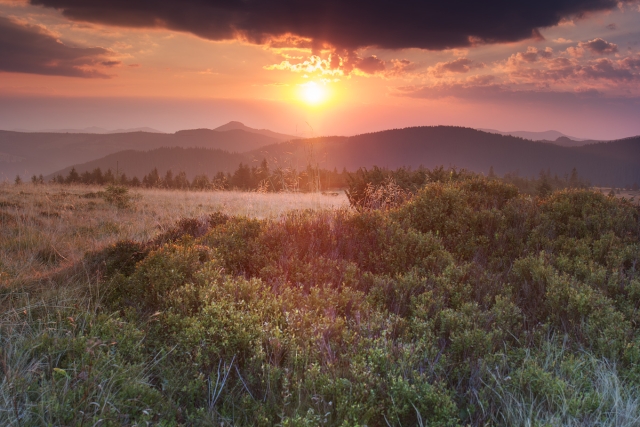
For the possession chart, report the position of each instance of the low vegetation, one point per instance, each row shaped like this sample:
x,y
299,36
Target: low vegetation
x,y
461,301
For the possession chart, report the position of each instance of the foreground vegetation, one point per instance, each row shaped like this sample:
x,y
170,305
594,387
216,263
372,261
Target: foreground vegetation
x,y
464,303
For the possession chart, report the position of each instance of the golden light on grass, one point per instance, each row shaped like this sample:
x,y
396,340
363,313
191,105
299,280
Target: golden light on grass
x,y
45,228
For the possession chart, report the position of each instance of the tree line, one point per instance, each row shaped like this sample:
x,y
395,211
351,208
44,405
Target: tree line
x,y
245,177
262,178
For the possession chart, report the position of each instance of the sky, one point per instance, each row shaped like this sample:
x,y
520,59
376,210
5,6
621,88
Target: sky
x,y
332,67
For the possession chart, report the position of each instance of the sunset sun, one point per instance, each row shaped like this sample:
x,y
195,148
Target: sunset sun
x,y
313,93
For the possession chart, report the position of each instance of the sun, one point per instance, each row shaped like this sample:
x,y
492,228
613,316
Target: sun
x,y
313,93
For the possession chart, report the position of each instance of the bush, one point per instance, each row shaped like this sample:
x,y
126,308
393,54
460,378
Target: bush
x,y
118,195
469,304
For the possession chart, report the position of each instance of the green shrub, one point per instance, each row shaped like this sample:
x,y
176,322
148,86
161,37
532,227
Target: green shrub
x,y
470,304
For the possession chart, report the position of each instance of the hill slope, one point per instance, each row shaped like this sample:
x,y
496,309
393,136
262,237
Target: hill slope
x,y
611,163
615,163
547,136
266,132
44,153
193,161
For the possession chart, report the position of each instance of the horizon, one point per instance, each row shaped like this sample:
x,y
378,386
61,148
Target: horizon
x,y
534,135
570,67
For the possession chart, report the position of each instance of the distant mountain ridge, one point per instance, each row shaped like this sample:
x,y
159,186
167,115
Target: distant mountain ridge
x,y
44,153
233,125
552,136
614,163
91,129
192,161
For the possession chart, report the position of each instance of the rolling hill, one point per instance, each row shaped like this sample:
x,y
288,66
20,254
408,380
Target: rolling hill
x,y
44,153
614,163
606,163
554,136
193,161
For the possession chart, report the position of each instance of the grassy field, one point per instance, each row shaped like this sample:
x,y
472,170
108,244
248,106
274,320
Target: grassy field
x,y
468,305
46,228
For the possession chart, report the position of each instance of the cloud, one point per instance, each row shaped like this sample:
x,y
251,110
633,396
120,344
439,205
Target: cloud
x,y
111,63
460,65
531,55
370,65
545,70
31,49
599,46
488,88
349,25
314,64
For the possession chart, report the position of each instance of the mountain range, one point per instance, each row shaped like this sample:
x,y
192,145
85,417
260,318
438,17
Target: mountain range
x,y
612,163
91,129
28,153
554,136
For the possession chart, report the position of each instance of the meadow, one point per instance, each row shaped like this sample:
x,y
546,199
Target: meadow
x,y
45,228
463,303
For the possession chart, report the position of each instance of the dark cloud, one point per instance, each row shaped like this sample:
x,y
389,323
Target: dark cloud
x,y
370,65
599,46
460,65
110,63
346,24
30,49
612,26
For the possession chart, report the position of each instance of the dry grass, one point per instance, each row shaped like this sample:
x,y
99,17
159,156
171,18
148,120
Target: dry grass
x,y
44,228
621,193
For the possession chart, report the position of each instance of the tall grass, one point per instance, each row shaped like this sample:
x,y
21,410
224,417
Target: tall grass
x,y
46,228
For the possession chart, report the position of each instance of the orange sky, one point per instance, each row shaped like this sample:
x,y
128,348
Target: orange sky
x,y
579,77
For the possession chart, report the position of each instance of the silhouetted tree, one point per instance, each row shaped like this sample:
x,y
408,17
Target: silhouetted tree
x,y
109,178
180,181
242,177
574,181
96,177
152,179
73,176
543,188
167,181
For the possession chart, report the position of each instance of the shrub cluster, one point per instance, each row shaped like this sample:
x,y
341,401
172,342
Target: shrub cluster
x,y
470,304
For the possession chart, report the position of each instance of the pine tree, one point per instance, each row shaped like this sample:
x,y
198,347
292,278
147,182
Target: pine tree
x,y
574,180
73,176
167,182
544,188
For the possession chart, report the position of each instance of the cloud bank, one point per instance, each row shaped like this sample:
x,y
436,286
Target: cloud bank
x,y
343,24
31,49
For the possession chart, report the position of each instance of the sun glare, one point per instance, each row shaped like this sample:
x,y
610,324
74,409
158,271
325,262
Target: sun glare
x,y
313,94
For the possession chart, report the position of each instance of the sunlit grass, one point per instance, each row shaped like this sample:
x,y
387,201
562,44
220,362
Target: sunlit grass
x,y
44,228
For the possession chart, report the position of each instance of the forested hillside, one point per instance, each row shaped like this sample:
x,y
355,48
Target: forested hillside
x,y
615,163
